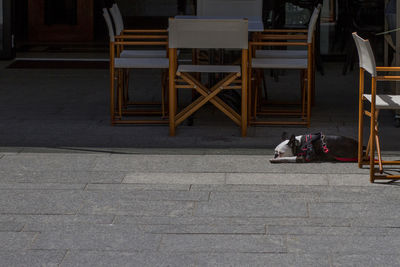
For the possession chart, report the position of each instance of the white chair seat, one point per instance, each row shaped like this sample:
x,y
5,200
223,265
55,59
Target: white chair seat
x,y
281,53
142,63
209,68
385,101
279,63
144,53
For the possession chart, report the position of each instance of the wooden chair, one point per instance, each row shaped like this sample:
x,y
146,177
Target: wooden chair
x,y
120,63
207,34
298,53
282,59
376,102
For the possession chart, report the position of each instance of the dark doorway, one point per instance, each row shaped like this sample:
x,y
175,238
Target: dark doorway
x,y
60,20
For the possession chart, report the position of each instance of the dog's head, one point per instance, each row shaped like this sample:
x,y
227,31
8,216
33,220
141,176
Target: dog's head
x,y
286,147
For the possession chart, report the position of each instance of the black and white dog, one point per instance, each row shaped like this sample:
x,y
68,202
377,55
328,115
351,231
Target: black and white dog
x,y
315,148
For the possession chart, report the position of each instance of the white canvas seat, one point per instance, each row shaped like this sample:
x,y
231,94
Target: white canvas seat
x,y
121,61
281,54
375,102
207,34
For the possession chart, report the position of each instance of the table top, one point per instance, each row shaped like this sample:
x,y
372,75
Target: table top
x,y
255,24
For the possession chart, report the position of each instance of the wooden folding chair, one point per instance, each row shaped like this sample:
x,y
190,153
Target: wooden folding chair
x,y
122,60
260,59
377,102
208,34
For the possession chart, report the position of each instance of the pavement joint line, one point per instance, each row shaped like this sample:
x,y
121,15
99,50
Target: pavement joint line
x,y
85,188
113,219
65,255
35,237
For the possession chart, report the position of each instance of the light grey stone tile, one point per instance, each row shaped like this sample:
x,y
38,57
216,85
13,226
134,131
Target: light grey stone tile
x,y
175,178
36,223
97,237
373,197
147,195
148,163
222,243
265,197
16,241
366,260
206,229
132,187
335,231
276,179
107,258
137,207
355,210
375,222
196,220
11,226
252,208
60,176
40,202
352,180
39,161
33,258
41,186
264,259
341,244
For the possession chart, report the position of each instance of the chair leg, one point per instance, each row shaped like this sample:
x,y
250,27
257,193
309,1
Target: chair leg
x,y
372,130
378,146
308,97
112,87
360,119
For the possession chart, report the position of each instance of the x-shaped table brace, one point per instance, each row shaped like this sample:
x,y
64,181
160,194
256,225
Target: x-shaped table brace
x,y
209,95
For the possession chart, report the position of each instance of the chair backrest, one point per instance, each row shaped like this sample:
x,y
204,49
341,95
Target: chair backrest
x,y
365,54
208,33
117,18
313,22
230,8
110,28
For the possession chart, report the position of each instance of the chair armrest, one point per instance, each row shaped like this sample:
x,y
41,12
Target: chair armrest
x,y
142,36
282,37
387,68
388,78
284,30
141,43
144,30
277,44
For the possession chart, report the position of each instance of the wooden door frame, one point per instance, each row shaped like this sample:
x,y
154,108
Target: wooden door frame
x,y
40,32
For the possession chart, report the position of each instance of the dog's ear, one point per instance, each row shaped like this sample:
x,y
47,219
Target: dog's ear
x,y
284,136
292,141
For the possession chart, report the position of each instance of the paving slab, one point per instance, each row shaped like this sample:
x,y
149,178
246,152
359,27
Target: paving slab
x,y
175,178
248,229
136,187
60,176
137,207
96,237
33,258
355,210
40,201
252,208
374,259
16,241
106,258
341,244
264,259
222,243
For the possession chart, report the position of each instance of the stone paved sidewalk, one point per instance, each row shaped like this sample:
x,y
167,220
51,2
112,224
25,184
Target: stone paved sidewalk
x,y
191,208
